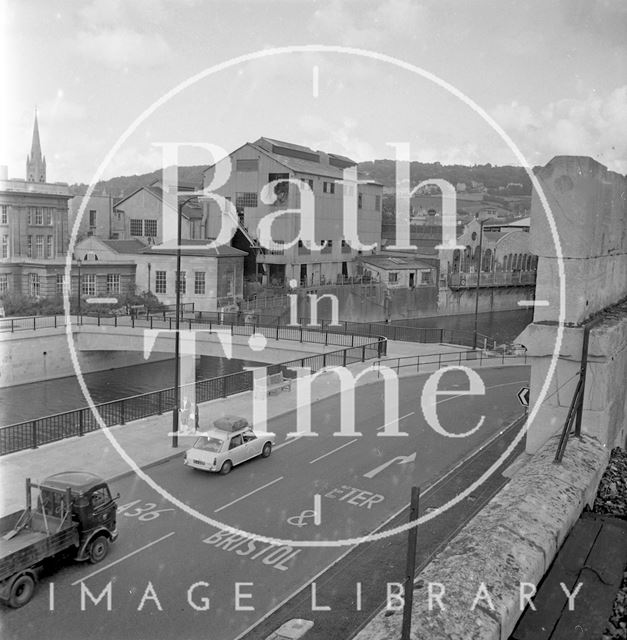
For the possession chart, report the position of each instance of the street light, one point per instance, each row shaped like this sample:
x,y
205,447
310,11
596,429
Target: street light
x,y
177,339
479,261
78,264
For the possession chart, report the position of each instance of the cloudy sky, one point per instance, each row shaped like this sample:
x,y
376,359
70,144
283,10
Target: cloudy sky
x,y
552,74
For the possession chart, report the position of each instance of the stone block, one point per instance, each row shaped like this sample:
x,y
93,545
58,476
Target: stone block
x,y
588,204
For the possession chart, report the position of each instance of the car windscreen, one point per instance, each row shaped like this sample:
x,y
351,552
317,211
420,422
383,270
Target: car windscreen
x,y
207,443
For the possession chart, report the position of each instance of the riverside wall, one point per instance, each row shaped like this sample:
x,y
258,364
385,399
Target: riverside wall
x,y
32,356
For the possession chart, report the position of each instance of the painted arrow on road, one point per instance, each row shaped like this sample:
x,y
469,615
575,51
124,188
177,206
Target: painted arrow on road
x,y
397,460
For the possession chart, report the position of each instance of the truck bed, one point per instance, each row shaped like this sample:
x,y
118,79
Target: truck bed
x,y
33,543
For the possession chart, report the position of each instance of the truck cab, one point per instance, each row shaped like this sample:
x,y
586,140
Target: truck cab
x,y
93,508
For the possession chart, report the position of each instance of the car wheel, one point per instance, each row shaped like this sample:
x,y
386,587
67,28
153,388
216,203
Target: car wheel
x,y
98,549
226,467
267,450
22,591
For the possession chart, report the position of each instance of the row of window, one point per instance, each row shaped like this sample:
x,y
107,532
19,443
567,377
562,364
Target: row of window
x,y
161,283
39,215
88,283
44,247
4,214
249,198
141,227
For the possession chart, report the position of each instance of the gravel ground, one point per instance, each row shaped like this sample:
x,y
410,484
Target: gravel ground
x,y
612,499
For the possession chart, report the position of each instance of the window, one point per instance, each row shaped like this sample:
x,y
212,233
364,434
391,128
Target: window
x,y
92,217
425,277
181,281
160,282
150,228
29,246
60,283
199,283
309,181
39,243
39,215
393,277
4,282
346,248
113,283
100,497
247,165
5,246
48,246
302,249
34,285
328,248
245,199
328,187
4,214
88,284
48,212
360,200
377,203
137,227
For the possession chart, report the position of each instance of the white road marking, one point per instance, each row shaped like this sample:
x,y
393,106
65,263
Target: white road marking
x,y
494,386
288,441
317,509
533,303
128,555
333,451
411,413
250,493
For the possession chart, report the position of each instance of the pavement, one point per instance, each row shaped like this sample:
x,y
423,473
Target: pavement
x,y
145,442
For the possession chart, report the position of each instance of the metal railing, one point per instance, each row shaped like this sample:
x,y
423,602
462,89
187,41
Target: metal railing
x,y
420,362
33,433
575,410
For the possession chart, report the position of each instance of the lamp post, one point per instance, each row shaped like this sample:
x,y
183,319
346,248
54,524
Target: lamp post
x,y
177,339
78,264
474,340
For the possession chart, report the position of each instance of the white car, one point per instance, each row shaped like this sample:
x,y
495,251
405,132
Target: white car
x,y
229,442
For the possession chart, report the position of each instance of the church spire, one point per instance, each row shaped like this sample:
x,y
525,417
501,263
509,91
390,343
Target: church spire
x,y
35,162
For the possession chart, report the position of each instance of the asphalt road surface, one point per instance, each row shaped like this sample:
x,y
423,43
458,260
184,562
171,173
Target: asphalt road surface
x,y
170,575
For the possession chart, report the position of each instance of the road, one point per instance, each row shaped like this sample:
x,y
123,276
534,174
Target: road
x,y
173,576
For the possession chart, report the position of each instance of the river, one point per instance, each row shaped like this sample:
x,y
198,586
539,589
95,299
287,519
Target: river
x,y
37,399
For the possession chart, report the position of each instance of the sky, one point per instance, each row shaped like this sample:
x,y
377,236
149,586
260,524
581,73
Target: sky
x,y
551,73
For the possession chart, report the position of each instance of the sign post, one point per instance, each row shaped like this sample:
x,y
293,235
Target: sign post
x,y
411,564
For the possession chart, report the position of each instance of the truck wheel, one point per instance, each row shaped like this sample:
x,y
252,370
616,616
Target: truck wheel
x,y
267,450
226,467
98,549
22,591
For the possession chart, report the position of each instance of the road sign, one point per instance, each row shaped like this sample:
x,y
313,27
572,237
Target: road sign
x,y
523,396
101,300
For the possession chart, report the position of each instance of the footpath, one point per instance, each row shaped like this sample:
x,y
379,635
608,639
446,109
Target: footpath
x,y
146,441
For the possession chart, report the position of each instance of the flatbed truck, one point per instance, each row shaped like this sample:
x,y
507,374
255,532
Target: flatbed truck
x,y
74,517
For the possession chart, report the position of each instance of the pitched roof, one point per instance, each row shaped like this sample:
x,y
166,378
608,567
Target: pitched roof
x,y
304,160
395,262
191,210
196,248
124,246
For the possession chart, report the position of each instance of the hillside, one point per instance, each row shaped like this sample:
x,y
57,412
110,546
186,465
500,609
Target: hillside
x,y
494,178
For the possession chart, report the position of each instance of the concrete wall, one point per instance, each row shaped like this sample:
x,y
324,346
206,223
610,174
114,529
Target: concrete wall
x,y
44,355
588,204
453,302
